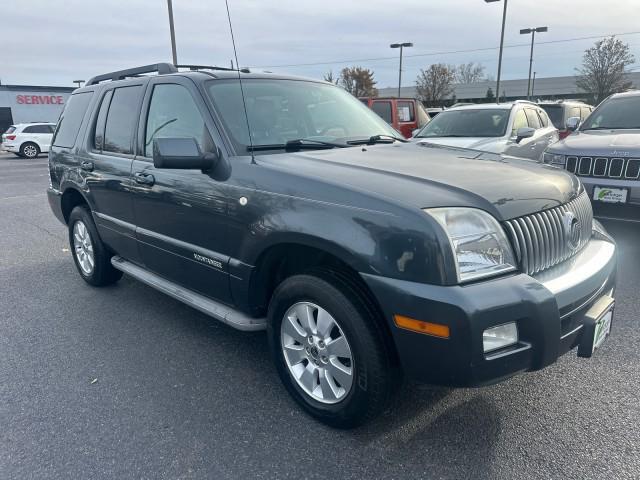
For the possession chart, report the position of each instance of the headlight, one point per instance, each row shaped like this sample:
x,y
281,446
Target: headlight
x,y
554,159
479,244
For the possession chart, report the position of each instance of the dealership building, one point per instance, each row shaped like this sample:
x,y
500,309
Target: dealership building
x,y
30,103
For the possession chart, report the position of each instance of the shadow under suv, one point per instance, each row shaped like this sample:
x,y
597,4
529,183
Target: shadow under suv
x,y
284,204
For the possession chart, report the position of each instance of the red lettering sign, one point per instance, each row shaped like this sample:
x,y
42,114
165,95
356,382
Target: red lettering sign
x,y
39,99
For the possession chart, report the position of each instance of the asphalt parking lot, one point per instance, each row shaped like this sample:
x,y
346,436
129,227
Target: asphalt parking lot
x,y
124,382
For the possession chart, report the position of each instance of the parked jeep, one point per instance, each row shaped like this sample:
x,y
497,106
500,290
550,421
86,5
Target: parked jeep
x,y
284,204
604,152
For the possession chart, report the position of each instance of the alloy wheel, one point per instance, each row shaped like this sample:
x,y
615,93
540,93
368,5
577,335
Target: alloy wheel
x,y
83,248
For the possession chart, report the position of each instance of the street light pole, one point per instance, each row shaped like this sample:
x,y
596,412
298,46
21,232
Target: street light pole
x,y
504,19
400,46
173,33
533,84
532,31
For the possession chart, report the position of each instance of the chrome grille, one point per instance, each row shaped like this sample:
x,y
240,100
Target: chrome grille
x,y
604,167
542,240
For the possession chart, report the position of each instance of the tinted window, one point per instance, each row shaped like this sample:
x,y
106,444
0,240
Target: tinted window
x,y
621,112
556,114
486,122
37,129
121,120
11,129
406,112
520,121
98,133
71,119
384,110
173,113
532,118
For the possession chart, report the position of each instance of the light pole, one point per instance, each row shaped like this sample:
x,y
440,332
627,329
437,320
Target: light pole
x,y
504,19
173,33
532,31
400,46
533,84
78,82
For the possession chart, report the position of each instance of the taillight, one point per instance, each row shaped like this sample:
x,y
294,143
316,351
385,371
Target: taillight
x,y
11,137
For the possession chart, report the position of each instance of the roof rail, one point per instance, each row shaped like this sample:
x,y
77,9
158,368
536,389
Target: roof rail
x,y
159,68
196,68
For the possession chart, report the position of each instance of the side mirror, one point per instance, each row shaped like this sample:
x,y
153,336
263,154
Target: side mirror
x,y
182,153
524,132
573,123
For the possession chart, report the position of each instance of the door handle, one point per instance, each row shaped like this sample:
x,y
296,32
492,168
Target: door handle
x,y
144,178
87,166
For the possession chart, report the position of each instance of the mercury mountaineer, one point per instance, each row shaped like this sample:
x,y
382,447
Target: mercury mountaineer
x,y
284,204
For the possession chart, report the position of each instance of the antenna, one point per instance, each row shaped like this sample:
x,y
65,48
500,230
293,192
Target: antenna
x,y
244,103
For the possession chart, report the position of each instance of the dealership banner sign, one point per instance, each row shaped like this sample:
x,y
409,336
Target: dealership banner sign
x,y
40,99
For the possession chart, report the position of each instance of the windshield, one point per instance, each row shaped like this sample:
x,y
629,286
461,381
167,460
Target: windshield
x,y
556,114
283,110
468,123
623,112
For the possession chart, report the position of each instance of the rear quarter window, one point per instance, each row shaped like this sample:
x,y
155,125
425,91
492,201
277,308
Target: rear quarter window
x,y
11,129
71,119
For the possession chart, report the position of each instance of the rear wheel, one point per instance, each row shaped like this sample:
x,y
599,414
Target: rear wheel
x,y
329,350
91,256
29,150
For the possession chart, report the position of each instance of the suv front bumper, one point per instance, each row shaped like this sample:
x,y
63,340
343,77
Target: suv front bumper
x,y
549,310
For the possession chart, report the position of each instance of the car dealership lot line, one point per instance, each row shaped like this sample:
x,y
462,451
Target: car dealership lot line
x,y
181,396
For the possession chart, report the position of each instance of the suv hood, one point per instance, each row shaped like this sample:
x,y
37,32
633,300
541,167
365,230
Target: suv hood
x,y
425,176
605,143
487,144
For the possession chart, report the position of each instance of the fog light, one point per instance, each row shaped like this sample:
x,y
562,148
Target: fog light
x,y
500,336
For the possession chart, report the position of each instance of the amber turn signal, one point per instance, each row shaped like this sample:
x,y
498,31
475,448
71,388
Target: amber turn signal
x,y
428,328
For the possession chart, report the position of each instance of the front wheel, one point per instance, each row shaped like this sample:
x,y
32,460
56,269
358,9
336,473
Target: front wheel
x,y
329,350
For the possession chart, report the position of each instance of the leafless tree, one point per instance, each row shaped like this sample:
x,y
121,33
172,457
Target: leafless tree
x,y
603,68
469,72
435,83
358,81
328,77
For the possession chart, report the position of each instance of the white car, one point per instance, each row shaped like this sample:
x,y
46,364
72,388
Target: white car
x,y
28,140
519,129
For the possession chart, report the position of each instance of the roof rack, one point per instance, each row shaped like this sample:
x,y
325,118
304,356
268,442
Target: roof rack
x,y
195,68
159,68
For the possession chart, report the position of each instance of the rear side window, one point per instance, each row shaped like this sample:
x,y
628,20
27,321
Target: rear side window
x,y
556,114
71,119
37,129
98,135
544,120
520,121
11,129
406,112
384,110
121,120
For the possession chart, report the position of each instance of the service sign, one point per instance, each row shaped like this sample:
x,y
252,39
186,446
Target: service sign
x,y
39,99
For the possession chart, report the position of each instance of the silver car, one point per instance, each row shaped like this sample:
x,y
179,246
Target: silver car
x,y
519,129
605,152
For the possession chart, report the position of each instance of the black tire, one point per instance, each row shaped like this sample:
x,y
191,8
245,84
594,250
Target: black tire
x,y
29,150
102,273
374,370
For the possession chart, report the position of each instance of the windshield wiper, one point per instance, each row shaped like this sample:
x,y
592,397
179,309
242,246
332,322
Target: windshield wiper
x,y
451,135
377,139
298,144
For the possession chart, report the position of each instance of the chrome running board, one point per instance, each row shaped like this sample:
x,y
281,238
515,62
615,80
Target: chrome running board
x,y
217,310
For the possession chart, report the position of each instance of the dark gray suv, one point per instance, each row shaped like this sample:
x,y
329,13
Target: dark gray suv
x,y
604,151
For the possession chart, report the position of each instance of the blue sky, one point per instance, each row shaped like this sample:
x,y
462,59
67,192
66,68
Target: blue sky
x,y
52,42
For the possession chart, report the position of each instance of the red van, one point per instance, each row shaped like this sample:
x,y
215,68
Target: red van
x,y
403,114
